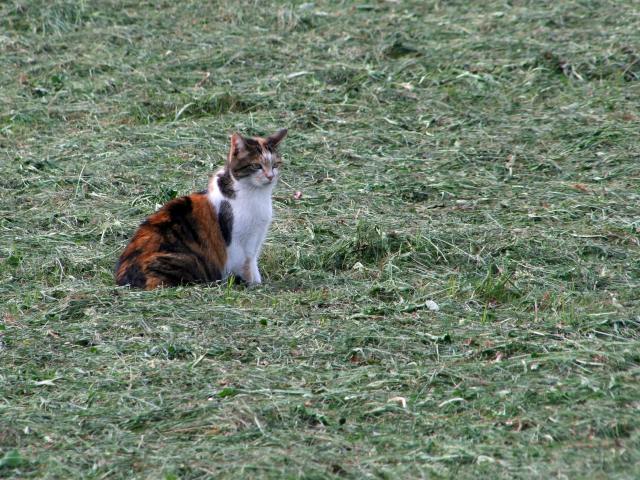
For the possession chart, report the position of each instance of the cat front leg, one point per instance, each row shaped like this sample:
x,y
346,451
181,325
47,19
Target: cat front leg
x,y
255,273
250,272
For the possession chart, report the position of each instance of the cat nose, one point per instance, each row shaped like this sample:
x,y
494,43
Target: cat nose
x,y
269,175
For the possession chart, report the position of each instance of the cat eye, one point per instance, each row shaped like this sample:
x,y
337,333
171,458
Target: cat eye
x,y
256,166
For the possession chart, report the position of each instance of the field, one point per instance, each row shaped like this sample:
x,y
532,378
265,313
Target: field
x,y
455,295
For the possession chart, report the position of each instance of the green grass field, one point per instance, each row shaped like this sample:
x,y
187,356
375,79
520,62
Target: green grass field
x,y
484,156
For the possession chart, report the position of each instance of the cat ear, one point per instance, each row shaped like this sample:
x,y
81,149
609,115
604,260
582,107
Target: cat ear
x,y
238,145
276,138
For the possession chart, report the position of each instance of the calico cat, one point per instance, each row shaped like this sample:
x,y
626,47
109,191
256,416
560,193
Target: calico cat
x,y
208,236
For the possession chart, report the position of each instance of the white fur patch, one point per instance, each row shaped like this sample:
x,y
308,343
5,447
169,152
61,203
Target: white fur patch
x,y
268,156
252,214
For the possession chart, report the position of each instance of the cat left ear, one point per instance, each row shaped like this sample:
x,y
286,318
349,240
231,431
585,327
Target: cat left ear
x,y
276,138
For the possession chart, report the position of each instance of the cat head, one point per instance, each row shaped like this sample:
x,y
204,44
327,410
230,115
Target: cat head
x,y
255,160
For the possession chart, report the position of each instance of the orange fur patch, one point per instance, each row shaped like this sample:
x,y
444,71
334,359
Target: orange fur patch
x,y
180,243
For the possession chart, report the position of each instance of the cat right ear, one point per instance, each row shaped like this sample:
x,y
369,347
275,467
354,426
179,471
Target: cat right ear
x,y
237,145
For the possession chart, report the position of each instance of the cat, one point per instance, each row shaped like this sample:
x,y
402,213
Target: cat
x,y
211,235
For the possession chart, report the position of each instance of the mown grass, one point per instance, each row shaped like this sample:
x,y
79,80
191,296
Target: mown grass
x,y
484,156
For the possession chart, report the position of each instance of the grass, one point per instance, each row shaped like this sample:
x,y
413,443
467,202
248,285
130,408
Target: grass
x,y
484,156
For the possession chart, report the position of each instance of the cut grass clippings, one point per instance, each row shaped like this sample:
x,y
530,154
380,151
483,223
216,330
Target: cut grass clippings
x,y
450,282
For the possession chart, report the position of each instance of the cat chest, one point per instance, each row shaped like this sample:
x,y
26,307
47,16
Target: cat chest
x,y
247,221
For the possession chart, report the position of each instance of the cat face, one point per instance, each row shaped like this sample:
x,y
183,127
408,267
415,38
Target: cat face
x,y
255,160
